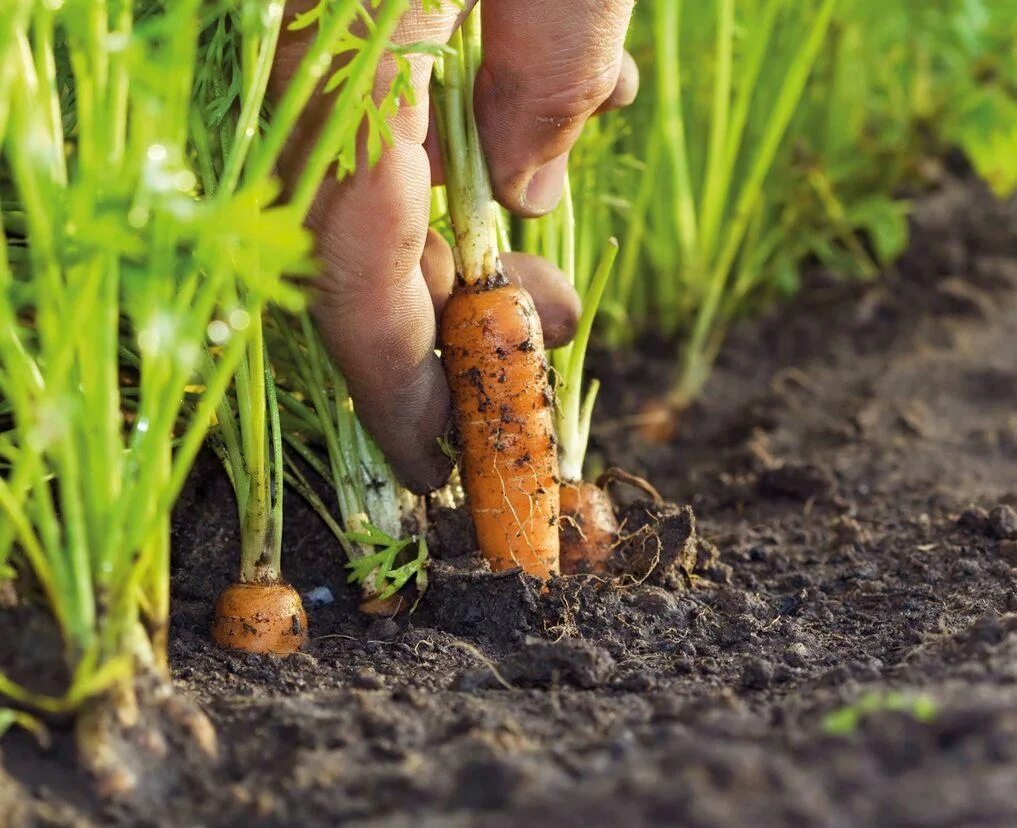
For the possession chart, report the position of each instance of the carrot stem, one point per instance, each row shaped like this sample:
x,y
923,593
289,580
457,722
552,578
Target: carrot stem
x,y
470,199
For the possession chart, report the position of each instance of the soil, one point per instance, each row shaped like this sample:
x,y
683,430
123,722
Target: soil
x,y
826,633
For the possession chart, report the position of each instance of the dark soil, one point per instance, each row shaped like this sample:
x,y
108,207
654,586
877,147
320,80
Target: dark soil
x,y
850,658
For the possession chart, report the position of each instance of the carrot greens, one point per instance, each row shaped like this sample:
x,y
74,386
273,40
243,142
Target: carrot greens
x,y
143,234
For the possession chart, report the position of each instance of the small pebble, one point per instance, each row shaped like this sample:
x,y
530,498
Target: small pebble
x,y
797,655
367,679
320,596
974,518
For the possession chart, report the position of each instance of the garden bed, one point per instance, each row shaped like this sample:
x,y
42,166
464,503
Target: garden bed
x,y
853,464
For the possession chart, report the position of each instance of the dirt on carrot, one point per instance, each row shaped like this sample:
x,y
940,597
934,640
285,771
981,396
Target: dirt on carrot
x,y
493,351
848,491
589,528
259,618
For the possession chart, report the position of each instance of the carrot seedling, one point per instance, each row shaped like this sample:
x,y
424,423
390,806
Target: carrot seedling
x,y
111,258
373,508
725,82
493,350
260,612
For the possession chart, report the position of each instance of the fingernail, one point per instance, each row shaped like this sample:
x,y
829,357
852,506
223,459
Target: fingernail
x,y
547,185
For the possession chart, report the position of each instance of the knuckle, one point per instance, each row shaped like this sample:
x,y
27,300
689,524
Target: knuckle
x,y
575,95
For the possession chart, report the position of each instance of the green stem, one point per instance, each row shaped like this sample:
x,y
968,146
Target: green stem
x,y
574,430
310,71
714,192
342,123
254,96
669,81
470,199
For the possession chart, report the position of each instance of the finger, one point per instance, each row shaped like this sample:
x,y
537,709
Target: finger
x,y
373,306
432,143
376,315
548,66
626,89
556,300
439,269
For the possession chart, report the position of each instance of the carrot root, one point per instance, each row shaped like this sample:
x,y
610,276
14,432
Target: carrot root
x,y
260,618
589,529
493,351
617,475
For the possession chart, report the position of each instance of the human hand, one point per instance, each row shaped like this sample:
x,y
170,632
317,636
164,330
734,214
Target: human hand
x,y
548,66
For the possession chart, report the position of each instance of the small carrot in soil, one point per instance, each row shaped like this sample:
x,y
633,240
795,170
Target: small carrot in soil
x,y
260,612
590,531
589,528
493,351
260,618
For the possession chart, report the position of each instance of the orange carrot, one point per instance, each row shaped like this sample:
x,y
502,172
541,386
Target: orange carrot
x,y
260,618
589,528
493,350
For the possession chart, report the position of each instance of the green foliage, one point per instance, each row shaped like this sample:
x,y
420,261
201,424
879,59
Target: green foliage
x,y
771,134
908,79
248,437
142,236
108,242
378,572
898,85
17,718
723,84
846,720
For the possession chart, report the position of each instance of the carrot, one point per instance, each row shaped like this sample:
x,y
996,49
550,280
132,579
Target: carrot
x,y
378,607
259,612
260,618
493,350
589,528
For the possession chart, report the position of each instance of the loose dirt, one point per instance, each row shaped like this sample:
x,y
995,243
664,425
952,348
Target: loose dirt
x,y
826,633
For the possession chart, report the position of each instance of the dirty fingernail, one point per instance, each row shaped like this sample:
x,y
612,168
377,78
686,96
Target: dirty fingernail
x,y
547,185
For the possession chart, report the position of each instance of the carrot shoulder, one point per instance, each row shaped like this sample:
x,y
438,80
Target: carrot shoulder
x,y
493,350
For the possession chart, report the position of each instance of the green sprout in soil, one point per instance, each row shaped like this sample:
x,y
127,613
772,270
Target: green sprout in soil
x,y
716,181
846,720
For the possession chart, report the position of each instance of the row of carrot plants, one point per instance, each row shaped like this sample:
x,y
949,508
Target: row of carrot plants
x,y
150,267
774,136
